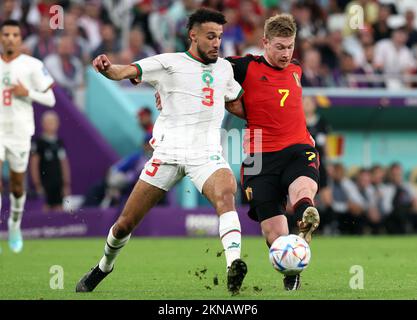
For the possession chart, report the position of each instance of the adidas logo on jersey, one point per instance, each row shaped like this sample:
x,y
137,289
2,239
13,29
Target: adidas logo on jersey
x,y
263,78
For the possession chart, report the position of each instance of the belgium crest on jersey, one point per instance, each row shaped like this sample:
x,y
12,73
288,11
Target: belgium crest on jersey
x,y
297,78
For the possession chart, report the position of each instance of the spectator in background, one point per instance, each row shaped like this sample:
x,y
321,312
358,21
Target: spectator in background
x,y
8,8
312,69
380,27
372,76
384,192
340,75
141,12
348,74
162,27
250,15
355,44
137,46
109,41
394,58
146,123
71,29
366,200
178,14
271,10
90,22
318,16
77,9
49,165
217,5
308,25
29,18
346,211
120,180
120,13
404,202
255,44
66,69
43,43
331,50
403,5
411,29
233,38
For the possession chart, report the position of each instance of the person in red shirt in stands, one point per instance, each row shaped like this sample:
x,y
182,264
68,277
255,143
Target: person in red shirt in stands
x,y
282,160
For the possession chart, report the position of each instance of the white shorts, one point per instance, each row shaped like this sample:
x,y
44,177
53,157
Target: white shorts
x,y
165,175
16,153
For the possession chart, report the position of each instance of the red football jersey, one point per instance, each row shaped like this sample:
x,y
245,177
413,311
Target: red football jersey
x,y
273,104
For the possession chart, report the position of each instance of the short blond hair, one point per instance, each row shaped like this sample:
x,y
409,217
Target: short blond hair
x,y
280,25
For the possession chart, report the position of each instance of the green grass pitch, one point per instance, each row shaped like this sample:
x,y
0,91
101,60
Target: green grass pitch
x,y
185,268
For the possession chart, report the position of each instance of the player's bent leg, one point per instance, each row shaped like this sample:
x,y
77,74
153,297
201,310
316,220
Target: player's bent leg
x,y
273,228
17,204
143,197
301,194
220,189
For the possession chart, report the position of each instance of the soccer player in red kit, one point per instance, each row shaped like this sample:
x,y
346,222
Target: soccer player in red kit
x,y
277,140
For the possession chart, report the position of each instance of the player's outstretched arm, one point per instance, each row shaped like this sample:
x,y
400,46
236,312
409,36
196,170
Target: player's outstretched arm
x,y
111,71
236,108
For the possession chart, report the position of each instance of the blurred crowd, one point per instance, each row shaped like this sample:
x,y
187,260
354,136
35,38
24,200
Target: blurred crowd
x,y
359,200
374,200
343,43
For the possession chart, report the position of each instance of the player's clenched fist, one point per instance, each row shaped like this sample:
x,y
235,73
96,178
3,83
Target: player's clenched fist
x,y
101,63
111,71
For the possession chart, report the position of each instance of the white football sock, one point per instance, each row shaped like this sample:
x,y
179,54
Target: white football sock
x,y
17,206
230,234
111,250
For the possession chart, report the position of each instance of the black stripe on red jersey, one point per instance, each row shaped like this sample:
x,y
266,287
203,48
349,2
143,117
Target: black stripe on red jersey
x,y
241,64
296,62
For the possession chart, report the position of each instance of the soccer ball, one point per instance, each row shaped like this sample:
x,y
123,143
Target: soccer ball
x,y
289,254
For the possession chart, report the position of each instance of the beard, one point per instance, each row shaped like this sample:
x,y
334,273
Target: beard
x,y
204,56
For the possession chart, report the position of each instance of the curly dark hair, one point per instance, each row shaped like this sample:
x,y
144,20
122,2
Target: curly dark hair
x,y
205,15
12,23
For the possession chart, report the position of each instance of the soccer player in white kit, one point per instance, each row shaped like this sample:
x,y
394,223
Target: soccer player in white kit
x,y
24,79
194,87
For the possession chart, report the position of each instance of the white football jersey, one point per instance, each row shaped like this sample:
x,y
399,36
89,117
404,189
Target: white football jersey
x,y
16,113
193,96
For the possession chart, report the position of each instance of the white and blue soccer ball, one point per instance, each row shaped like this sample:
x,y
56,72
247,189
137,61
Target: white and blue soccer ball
x,y
290,254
